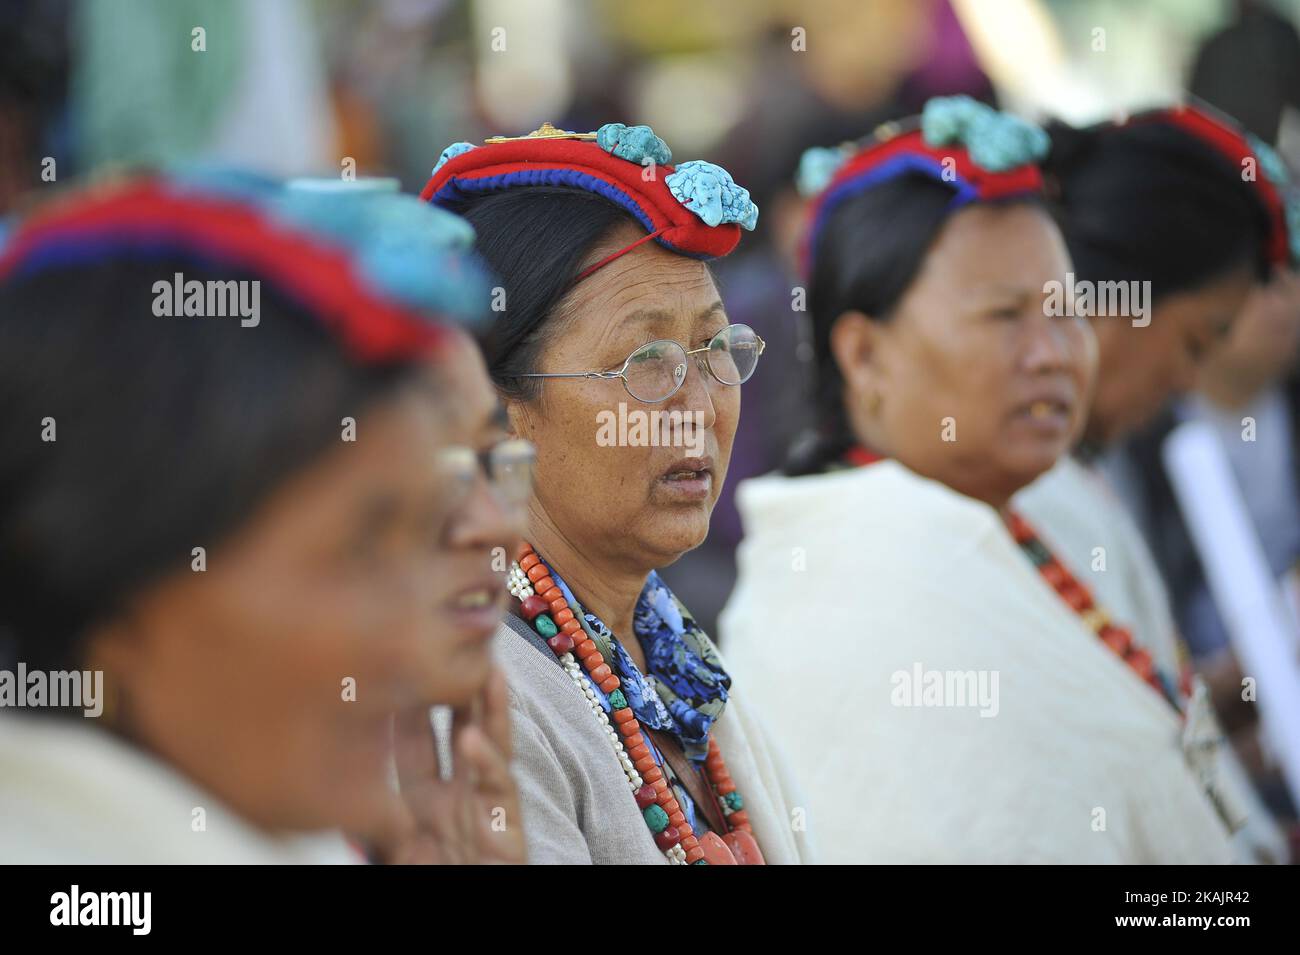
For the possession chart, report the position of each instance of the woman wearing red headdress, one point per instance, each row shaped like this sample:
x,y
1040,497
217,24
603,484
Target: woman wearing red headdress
x,y
614,355
1172,217
240,531
959,702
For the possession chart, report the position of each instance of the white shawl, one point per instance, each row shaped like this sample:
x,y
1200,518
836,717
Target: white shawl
x,y
71,793
1090,531
850,580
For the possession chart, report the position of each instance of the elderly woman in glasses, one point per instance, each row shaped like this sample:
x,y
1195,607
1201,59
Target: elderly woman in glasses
x,y
630,740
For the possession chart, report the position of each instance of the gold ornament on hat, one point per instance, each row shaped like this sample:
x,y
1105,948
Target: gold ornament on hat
x,y
545,131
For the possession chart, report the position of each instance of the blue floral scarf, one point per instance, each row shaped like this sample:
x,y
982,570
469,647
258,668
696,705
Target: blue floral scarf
x,y
685,690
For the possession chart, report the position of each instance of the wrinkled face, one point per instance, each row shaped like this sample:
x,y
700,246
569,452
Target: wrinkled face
x,y
1142,367
270,677
621,500
971,382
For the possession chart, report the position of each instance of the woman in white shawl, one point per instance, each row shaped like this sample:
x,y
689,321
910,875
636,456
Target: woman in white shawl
x,y
1160,196
946,691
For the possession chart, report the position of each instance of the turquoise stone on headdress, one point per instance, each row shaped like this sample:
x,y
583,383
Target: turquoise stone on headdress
x,y
1272,166
817,166
705,190
451,152
409,250
1270,163
371,184
994,141
634,143
210,179
353,211
710,192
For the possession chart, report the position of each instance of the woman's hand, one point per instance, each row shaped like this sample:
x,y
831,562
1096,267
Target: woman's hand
x,y
472,818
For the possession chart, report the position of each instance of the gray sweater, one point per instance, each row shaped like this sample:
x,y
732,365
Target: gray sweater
x,y
574,796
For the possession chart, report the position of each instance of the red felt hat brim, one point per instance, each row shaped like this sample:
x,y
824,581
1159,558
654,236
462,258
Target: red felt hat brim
x,y
1235,148
910,153
583,165
146,218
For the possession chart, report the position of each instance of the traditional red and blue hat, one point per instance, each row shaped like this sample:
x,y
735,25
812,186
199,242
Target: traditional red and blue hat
x,y
982,154
694,209
1250,158
292,241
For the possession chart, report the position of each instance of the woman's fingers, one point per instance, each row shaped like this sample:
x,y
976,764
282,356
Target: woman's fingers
x,y
491,767
474,815
497,821
392,834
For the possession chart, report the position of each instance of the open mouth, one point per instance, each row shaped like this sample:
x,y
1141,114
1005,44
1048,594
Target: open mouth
x,y
689,469
687,474
689,479
1049,414
474,599
1046,409
476,609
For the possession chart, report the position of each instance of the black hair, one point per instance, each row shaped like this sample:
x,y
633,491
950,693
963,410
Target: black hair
x,y
168,431
1151,201
868,252
1146,201
536,241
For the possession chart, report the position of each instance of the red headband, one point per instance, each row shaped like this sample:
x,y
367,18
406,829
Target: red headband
x,y
1230,142
909,153
147,218
555,158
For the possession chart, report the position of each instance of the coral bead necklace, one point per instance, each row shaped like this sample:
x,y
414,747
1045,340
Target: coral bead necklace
x,y
1118,639
543,605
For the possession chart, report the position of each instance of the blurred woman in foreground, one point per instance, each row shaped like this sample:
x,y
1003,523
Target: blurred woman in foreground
x,y
233,507
942,697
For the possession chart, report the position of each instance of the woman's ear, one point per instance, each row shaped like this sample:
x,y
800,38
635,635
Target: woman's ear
x,y
855,342
113,649
518,420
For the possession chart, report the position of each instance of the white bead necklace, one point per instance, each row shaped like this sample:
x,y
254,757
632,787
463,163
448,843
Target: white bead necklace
x,y
519,586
